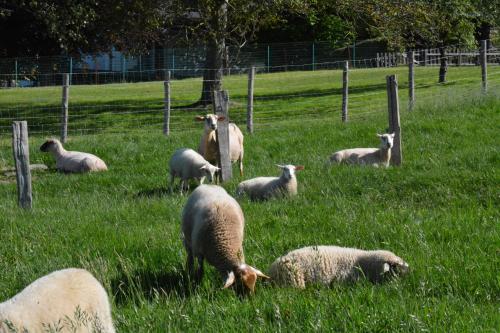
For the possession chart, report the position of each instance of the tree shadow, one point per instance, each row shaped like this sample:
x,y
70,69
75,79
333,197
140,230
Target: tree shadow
x,y
148,285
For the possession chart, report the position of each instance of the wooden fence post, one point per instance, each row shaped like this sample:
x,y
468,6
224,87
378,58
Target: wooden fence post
x,y
345,90
251,76
425,57
411,80
484,63
221,103
64,113
394,120
166,112
20,147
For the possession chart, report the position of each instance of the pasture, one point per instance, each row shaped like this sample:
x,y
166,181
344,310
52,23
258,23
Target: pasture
x,y
439,211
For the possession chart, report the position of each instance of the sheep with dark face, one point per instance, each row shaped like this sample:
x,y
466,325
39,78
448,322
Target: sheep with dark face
x,y
72,161
263,188
213,229
69,300
208,143
367,156
328,264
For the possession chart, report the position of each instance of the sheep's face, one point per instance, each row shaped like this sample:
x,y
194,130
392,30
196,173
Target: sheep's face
x,y
244,278
389,266
289,170
209,171
386,140
49,145
210,121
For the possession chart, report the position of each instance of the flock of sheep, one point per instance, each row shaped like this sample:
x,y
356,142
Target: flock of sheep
x,y
213,229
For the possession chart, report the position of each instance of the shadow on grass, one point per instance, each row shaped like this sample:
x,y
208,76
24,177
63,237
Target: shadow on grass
x,y
142,284
159,192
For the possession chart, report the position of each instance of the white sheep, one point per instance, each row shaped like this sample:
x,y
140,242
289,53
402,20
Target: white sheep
x,y
263,188
328,264
72,161
188,164
69,300
208,143
213,229
367,156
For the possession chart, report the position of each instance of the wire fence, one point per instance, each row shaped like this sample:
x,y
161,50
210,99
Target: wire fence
x,y
117,67
305,95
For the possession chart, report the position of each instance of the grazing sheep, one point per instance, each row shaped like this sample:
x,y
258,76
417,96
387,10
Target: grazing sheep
x,y
212,225
263,188
328,264
72,161
69,300
208,143
188,164
370,156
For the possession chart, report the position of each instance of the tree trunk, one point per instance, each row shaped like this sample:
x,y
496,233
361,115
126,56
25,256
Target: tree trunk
x,y
444,65
483,32
215,51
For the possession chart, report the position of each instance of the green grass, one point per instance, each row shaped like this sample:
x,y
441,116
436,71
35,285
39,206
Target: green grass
x,y
439,211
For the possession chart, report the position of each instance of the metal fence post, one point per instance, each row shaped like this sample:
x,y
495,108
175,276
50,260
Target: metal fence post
x,y
268,58
166,113
251,76
394,120
484,65
16,73
64,113
411,80
345,90
20,147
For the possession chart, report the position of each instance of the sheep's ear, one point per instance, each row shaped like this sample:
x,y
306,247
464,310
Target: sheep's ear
x,y
259,273
392,135
230,280
220,118
387,267
280,166
299,167
217,169
203,167
200,118
379,135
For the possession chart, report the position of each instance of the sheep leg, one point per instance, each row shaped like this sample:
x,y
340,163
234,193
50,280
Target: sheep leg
x,y
199,272
190,263
240,161
171,182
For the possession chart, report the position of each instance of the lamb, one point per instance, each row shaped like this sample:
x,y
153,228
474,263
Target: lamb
x,y
68,300
370,156
208,143
212,225
72,161
263,188
328,264
188,164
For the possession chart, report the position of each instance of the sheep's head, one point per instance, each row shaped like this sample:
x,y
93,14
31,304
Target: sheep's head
x,y
210,121
386,140
244,278
209,171
50,145
289,170
382,265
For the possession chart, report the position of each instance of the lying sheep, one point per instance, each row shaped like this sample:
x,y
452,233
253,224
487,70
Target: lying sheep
x,y
208,144
263,188
212,225
72,161
69,300
328,264
370,156
188,164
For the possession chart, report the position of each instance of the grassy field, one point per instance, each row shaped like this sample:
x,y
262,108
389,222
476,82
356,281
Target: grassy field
x,y
439,211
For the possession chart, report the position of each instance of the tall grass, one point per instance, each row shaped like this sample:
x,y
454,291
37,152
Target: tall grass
x,y
439,211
